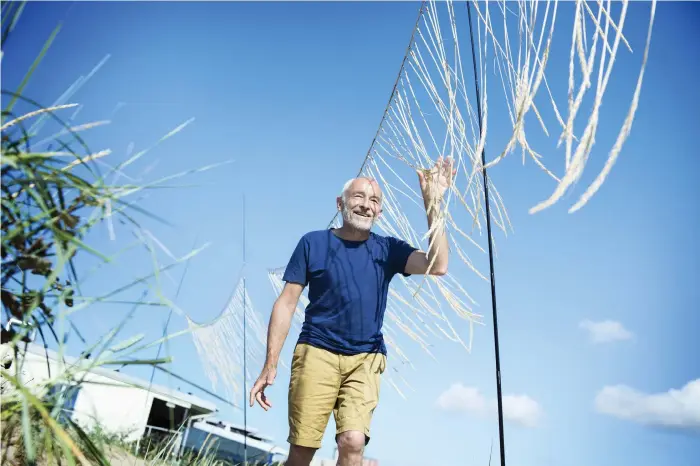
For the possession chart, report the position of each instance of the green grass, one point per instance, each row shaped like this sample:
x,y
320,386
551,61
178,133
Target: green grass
x,y
51,200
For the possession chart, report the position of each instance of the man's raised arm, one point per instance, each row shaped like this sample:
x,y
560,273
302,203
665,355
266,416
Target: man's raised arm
x,y
433,185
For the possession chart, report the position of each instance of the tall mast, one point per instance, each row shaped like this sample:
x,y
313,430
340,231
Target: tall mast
x,y
245,354
501,436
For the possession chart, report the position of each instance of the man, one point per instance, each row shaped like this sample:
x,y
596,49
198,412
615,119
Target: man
x,y
340,354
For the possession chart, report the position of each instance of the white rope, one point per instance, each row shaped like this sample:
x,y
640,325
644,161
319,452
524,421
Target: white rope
x,y
432,114
219,345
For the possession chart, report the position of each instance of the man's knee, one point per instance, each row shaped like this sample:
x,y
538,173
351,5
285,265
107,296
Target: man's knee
x,y
351,442
300,456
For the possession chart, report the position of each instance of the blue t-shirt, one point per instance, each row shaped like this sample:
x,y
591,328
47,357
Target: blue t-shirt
x,y
348,286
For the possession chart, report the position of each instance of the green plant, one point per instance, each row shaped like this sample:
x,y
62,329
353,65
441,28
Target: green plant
x,y
50,201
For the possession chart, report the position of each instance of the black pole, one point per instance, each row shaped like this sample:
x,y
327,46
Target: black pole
x,y
245,404
501,437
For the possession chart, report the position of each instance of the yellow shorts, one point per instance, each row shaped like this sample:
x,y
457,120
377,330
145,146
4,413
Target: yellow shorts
x,y
322,382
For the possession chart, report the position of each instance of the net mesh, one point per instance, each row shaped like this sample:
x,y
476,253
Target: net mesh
x,y
220,344
432,112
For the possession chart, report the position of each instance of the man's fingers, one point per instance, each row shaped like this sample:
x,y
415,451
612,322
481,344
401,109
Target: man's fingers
x,y
254,391
262,401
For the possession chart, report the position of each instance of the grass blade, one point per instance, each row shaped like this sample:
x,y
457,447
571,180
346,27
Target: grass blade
x,y
32,68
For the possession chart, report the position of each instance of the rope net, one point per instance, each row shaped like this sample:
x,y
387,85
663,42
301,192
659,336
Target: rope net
x,y
219,345
432,113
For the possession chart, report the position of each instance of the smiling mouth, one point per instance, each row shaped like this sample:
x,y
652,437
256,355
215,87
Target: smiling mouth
x,y
359,214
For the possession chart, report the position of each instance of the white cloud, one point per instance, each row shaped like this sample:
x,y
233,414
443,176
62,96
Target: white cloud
x,y
462,399
519,409
674,408
605,331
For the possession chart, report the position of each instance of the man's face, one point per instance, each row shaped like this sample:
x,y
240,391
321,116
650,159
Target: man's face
x,y
361,204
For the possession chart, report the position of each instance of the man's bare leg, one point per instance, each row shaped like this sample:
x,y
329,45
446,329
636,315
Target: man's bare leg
x,y
300,456
351,446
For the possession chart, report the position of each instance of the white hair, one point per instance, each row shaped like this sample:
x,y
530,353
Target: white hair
x,y
347,185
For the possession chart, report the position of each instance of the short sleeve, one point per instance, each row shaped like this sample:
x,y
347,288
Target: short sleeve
x,y
296,271
399,251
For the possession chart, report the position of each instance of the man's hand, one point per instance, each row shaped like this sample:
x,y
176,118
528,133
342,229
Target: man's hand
x,y
435,181
267,377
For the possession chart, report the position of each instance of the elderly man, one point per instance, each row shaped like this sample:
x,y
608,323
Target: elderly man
x,y
340,354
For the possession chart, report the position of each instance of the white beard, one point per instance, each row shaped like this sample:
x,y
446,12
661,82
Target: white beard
x,y
356,221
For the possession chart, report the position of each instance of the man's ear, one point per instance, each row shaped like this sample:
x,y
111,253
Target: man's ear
x,y
339,203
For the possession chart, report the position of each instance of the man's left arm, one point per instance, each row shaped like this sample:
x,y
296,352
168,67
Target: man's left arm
x,y
433,184
419,262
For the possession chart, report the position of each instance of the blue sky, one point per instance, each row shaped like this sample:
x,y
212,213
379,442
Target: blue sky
x,y
293,93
